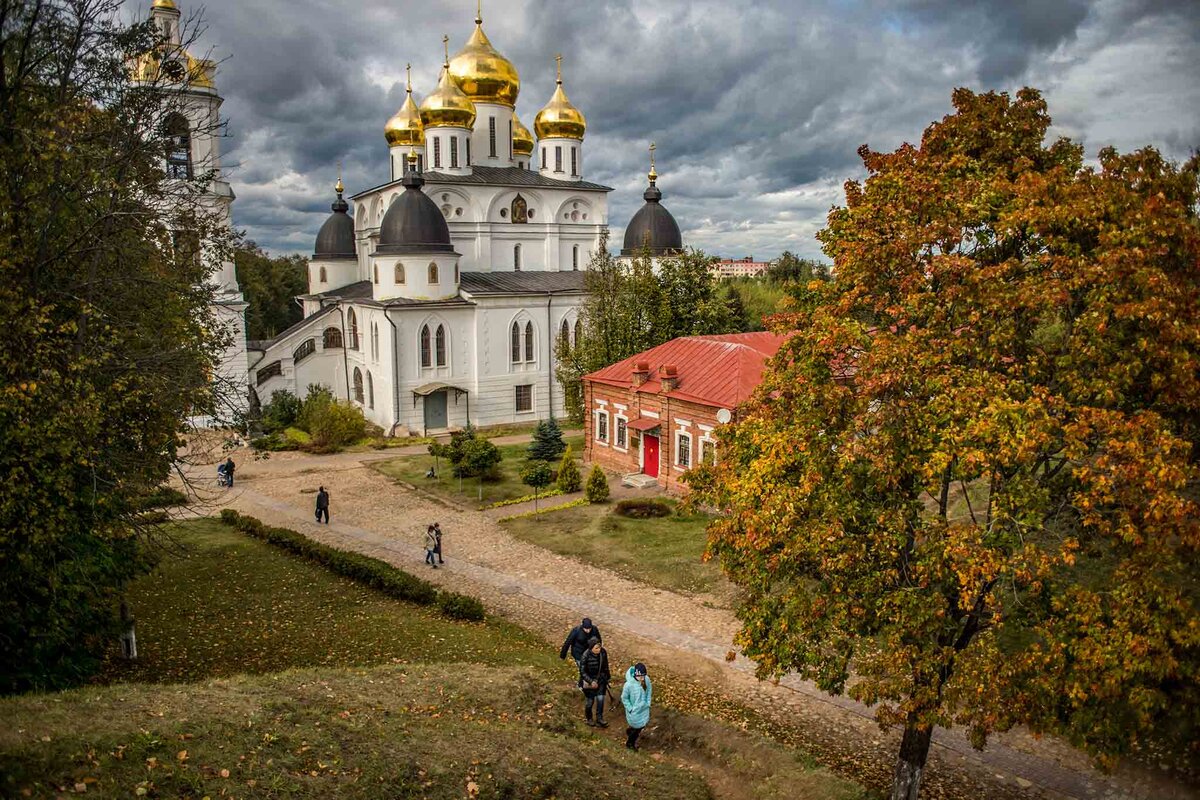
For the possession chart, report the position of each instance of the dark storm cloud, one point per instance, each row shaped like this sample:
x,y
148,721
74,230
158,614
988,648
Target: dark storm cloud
x,y
757,108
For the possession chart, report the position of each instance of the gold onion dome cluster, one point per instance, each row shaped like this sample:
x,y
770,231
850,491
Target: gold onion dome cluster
x,y
522,138
482,73
559,118
447,106
405,127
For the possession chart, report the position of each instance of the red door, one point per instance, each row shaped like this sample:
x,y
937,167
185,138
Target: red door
x,y
650,455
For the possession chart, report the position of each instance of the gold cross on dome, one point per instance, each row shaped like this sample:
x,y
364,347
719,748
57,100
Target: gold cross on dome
x,y
653,147
339,187
446,46
408,72
479,12
558,60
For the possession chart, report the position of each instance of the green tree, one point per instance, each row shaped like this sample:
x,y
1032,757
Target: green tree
x,y
735,311
597,486
790,268
281,412
270,284
547,443
536,474
569,480
981,503
630,308
109,334
479,459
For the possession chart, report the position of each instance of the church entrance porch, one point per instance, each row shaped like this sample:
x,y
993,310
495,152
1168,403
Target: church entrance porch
x,y
435,405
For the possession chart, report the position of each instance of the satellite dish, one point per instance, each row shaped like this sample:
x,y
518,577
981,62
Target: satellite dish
x,y
723,416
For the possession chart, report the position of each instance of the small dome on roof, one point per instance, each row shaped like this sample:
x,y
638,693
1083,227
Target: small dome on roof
x,y
335,240
413,223
652,227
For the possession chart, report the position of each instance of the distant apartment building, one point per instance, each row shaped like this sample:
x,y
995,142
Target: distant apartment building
x,y
740,268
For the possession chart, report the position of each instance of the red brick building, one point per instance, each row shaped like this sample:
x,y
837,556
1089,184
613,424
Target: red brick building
x,y
655,413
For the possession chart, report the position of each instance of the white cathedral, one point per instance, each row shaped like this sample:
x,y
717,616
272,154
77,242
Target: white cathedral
x,y
442,299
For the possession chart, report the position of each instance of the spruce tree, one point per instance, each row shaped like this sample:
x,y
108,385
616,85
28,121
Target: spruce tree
x,y
547,443
597,486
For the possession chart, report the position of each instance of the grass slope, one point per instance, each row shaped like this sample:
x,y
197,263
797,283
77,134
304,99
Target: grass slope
x,y
435,706
425,731
664,552
412,469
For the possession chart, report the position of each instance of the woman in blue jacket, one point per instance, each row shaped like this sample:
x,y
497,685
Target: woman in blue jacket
x,y
636,699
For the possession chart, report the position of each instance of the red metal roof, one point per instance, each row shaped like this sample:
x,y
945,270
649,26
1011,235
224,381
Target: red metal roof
x,y
720,370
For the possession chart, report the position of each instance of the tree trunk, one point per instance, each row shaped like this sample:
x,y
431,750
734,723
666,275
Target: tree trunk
x,y
914,749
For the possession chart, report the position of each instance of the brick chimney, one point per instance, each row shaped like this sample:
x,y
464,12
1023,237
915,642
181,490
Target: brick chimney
x,y
641,373
668,377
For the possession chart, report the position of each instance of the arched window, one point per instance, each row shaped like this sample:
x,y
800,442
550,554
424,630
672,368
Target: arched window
x,y
370,390
433,272
439,340
517,257
324,277
306,349
375,273
332,338
179,146
353,324
529,341
564,337
575,258
399,273
578,331
516,343
426,353
375,340
358,385
269,371
456,278
519,210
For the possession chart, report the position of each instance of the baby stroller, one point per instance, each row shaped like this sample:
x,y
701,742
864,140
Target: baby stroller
x,y
222,475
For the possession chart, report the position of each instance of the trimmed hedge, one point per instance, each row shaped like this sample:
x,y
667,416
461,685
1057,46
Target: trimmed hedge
x,y
364,569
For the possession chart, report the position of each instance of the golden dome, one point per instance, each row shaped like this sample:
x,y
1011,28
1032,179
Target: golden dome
x,y
164,4
447,106
196,73
482,73
405,128
559,117
522,138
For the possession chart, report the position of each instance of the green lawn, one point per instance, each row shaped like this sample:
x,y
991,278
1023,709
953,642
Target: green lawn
x,y
356,706
228,604
412,469
664,552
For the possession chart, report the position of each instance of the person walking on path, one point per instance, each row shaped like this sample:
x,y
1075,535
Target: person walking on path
x,y
322,505
593,680
437,531
577,640
229,470
636,699
430,545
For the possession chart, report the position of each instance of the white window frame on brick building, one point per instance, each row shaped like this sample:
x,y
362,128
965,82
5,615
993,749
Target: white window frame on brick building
x,y
601,431
680,465
621,432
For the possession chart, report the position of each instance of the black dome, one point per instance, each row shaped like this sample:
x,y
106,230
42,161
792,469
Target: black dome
x,y
336,237
652,227
413,223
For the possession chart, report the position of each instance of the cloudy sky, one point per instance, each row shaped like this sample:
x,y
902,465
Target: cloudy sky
x,y
757,107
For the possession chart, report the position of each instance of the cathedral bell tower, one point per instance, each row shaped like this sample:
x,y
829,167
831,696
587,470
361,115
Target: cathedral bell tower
x,y
193,130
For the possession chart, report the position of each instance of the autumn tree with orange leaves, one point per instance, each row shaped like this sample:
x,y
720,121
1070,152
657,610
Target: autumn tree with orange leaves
x,y
965,492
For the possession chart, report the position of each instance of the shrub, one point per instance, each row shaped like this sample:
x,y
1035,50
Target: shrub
x,y
460,606
547,443
162,497
643,508
274,442
229,516
597,486
336,425
281,412
477,458
315,402
569,480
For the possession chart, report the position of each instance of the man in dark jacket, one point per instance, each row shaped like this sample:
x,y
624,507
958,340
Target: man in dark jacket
x,y
593,680
322,505
229,470
577,639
